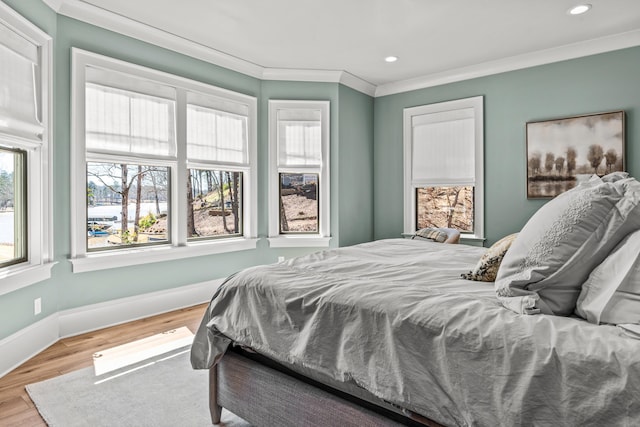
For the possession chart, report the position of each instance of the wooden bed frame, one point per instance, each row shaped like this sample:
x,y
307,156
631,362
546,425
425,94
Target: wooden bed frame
x,y
275,396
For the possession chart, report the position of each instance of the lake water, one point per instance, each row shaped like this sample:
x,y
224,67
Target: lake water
x,y
115,210
6,218
6,227
553,188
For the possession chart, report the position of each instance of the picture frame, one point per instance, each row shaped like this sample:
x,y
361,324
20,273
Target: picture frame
x,y
564,152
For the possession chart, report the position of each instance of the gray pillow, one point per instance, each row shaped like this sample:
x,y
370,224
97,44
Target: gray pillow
x,y
612,292
563,242
431,234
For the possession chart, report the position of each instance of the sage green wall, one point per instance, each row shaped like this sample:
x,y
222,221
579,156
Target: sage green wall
x,y
355,167
67,290
604,82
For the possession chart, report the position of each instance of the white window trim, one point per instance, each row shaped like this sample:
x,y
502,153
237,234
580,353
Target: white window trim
x,y
39,170
410,187
180,247
323,237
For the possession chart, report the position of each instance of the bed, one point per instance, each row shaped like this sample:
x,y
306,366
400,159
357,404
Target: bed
x,y
389,333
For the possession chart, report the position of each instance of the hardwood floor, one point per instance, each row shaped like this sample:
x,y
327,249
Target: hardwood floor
x,y
70,354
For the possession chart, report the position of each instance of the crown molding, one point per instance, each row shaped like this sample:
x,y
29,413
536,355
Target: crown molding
x,y
54,4
78,9
93,15
326,76
357,83
542,57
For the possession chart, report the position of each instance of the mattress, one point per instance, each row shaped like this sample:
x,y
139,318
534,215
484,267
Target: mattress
x,y
394,318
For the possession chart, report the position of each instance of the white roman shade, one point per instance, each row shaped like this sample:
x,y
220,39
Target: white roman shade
x,y
216,136
443,148
299,138
126,122
19,86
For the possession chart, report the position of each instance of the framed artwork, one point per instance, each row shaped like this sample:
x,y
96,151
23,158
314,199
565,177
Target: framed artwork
x,y
563,152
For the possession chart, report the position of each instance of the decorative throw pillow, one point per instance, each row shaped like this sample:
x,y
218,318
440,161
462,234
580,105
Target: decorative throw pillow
x,y
487,268
612,292
431,234
563,242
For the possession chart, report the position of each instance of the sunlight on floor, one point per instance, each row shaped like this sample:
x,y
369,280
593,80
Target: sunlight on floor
x,y
131,353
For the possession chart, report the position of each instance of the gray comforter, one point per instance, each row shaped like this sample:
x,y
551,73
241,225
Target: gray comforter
x,y
394,317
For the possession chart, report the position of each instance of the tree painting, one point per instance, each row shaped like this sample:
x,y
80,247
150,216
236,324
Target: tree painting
x,y
574,149
595,156
571,160
549,161
611,157
559,165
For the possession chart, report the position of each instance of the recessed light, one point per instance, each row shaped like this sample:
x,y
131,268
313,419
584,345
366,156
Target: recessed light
x,y
391,58
579,9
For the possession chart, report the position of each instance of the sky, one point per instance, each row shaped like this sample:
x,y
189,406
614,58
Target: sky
x,y
6,162
556,136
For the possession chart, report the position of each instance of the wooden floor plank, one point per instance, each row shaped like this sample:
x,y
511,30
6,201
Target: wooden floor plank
x,y
73,353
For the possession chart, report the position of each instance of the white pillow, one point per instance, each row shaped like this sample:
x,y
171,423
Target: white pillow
x,y
563,242
615,176
612,292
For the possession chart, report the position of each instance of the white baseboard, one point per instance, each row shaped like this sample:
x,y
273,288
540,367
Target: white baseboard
x,y
26,343
88,318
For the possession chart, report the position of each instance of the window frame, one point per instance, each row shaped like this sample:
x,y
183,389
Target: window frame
x,y
323,236
39,183
180,246
223,168
411,185
21,214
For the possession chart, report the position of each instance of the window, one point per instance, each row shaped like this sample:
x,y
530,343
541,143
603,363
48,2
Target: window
x,y
25,181
217,145
13,207
137,192
443,152
160,162
128,195
299,173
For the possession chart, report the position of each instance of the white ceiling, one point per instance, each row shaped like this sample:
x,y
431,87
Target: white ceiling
x,y
431,37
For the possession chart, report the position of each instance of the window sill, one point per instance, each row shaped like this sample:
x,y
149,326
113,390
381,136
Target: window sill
x,y
14,278
124,258
466,239
299,242
472,240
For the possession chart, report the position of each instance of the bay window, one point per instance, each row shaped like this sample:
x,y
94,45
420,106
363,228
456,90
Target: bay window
x,y
299,173
162,166
25,179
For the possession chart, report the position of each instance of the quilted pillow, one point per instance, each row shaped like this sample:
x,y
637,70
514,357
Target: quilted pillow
x,y
612,292
431,234
487,268
563,242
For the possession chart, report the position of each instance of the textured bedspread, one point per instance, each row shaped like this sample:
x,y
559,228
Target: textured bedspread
x,y
394,317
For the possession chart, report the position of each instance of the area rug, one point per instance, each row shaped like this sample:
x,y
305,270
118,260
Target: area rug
x,y
158,392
